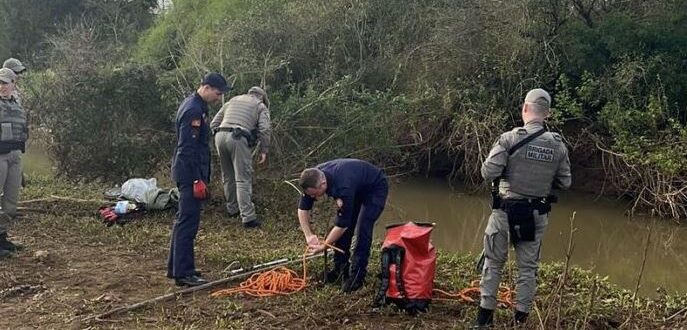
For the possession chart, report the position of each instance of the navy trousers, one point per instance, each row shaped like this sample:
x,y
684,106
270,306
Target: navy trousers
x,y
181,262
367,210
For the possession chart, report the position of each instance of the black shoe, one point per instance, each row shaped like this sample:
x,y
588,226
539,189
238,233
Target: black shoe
x,y
233,215
339,273
5,244
485,319
252,224
354,282
191,280
196,273
520,318
5,253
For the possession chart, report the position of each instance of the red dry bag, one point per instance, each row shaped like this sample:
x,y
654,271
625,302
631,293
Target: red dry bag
x,y
408,264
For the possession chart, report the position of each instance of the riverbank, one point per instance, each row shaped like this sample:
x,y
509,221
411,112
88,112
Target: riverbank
x,y
608,240
90,268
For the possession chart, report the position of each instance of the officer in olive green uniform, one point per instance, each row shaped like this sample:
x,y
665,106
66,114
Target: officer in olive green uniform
x,y
18,68
238,126
527,171
13,135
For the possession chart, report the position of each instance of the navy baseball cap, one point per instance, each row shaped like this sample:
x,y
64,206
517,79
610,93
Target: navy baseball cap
x,y
216,80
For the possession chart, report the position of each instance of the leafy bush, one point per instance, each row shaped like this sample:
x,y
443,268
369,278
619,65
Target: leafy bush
x,y
422,86
105,120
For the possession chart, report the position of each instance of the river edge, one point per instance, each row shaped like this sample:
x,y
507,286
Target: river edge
x,y
90,268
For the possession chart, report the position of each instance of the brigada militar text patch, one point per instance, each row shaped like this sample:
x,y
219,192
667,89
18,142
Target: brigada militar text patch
x,y
540,154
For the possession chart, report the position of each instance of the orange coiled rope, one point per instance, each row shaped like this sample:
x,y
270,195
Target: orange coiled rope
x,y
471,294
276,281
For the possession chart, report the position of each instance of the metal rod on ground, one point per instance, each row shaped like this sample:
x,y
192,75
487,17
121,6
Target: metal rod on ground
x,y
180,293
324,268
262,266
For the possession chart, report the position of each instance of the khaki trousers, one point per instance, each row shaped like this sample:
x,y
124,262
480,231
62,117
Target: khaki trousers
x,y
236,162
10,182
496,252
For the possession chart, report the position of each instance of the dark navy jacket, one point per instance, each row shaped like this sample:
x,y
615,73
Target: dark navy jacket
x,y
353,181
192,154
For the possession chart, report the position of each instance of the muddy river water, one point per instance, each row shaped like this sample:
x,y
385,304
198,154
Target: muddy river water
x,y
606,241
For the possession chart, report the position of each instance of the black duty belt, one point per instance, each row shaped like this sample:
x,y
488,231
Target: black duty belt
x,y
238,132
548,199
524,200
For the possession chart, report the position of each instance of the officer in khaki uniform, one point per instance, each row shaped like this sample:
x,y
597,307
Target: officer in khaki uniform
x,y
13,136
529,162
238,126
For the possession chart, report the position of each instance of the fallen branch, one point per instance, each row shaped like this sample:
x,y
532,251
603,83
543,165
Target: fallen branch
x,y
31,209
177,294
71,199
675,314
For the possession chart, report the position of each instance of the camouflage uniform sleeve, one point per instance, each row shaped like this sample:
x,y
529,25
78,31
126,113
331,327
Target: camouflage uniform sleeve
x,y
264,128
217,119
493,166
563,178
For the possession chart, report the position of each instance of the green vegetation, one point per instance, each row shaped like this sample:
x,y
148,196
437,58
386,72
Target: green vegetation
x,y
415,86
88,268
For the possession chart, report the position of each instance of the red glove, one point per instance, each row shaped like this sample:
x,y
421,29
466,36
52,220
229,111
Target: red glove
x,y
108,215
200,190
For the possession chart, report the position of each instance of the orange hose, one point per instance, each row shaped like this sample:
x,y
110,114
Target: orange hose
x,y
471,294
276,281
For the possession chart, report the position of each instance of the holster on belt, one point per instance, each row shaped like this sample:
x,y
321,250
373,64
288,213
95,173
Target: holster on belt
x,y
520,220
251,137
236,133
495,197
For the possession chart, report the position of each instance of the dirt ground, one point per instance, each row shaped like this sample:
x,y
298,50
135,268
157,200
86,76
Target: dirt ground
x,y
74,267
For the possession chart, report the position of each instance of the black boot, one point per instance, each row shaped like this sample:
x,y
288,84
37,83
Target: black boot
x,y
520,318
5,244
485,319
355,281
255,223
4,253
339,273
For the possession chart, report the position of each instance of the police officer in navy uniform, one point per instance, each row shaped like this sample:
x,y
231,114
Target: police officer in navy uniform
x,y
529,162
359,190
191,172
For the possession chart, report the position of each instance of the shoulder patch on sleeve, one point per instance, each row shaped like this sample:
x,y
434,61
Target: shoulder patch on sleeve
x,y
195,123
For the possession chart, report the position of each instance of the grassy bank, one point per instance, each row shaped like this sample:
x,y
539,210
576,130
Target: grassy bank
x,y
90,268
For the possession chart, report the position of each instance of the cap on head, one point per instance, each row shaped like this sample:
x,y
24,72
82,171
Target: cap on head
x,y
14,64
540,97
261,94
216,80
7,75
